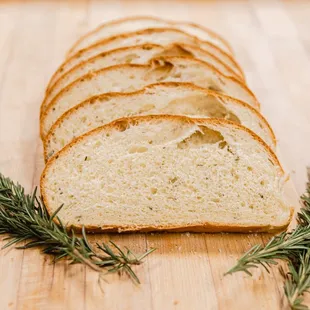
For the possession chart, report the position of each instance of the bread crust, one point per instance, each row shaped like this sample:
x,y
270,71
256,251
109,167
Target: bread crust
x,y
203,227
145,31
133,18
147,66
133,48
193,87
207,227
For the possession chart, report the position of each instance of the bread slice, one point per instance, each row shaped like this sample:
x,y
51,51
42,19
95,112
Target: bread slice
x,y
162,98
167,173
161,36
139,54
126,78
137,23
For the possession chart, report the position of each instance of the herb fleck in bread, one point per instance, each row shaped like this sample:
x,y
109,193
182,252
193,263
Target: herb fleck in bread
x,y
140,54
119,26
126,78
167,173
160,36
165,98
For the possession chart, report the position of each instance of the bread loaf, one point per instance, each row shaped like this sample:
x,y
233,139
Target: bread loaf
x,y
164,98
173,173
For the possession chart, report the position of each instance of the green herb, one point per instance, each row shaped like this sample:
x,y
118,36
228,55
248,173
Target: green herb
x,y
297,281
24,218
284,246
293,248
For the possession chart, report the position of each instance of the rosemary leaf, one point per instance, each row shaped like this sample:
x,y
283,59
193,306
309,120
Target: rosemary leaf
x,y
297,281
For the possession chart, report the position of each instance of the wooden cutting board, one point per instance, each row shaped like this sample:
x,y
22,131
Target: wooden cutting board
x,y
186,271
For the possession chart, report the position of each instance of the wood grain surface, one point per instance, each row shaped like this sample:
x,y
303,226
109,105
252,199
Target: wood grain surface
x,y
271,41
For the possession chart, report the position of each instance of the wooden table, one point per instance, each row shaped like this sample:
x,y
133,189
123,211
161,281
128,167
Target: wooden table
x,y
272,43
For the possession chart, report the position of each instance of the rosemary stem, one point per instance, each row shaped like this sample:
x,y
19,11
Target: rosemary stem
x,y
291,299
86,261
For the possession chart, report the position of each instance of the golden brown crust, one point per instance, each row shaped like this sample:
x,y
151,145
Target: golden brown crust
x,y
198,228
120,20
134,33
132,48
203,227
90,75
92,100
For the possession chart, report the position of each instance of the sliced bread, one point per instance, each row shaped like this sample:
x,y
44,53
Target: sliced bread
x,y
161,36
163,98
119,26
152,173
126,78
139,54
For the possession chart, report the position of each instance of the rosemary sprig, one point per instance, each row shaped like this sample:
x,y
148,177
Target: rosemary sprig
x,y
292,247
284,246
297,281
25,218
